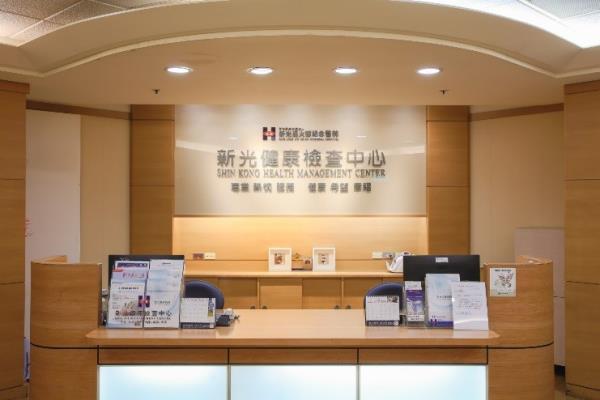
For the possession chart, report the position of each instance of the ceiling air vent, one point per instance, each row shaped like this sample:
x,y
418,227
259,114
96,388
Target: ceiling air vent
x,y
567,8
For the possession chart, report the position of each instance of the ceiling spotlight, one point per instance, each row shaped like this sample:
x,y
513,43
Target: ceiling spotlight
x,y
261,70
345,70
179,69
428,71
361,136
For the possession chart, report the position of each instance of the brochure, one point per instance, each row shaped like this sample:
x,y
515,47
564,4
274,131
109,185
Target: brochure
x,y
163,292
438,294
162,310
415,302
126,304
469,306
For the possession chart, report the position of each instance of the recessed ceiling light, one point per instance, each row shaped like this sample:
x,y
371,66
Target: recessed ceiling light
x,y
428,71
261,70
179,69
233,138
361,136
345,70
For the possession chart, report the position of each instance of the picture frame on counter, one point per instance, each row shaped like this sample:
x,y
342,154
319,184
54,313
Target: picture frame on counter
x,y
280,259
323,259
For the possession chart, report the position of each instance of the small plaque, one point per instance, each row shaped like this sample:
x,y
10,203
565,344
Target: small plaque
x,y
503,282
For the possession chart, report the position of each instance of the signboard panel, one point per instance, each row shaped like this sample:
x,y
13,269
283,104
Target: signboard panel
x,y
299,160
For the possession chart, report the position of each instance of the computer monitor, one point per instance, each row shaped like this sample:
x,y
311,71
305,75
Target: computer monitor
x,y
113,258
416,267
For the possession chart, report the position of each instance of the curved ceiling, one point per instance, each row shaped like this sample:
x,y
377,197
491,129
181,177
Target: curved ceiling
x,y
531,61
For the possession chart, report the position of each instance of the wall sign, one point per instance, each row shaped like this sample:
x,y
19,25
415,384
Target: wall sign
x,y
300,160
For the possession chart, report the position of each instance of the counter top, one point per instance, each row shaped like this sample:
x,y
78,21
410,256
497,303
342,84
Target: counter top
x,y
293,328
194,272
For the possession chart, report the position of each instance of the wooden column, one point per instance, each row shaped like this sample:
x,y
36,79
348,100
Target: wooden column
x,y
521,365
65,306
12,236
152,179
448,180
582,236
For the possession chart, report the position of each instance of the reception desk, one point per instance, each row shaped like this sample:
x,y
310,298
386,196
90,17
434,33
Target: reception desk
x,y
287,354
293,354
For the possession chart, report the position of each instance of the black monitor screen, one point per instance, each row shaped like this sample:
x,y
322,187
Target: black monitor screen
x,y
416,267
113,258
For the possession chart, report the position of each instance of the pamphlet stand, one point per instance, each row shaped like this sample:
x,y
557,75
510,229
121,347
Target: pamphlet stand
x,y
521,364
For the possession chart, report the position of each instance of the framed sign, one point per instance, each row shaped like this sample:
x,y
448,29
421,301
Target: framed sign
x,y
280,259
323,259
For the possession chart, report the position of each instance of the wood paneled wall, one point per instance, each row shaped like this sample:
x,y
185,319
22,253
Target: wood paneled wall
x,y
582,235
152,178
448,180
241,243
12,233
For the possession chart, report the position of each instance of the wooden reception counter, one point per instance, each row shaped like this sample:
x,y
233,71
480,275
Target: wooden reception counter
x,y
512,360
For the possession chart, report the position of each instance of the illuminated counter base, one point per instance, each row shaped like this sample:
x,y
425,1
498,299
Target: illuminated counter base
x,y
293,382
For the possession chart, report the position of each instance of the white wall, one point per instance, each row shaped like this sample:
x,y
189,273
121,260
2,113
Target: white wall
x,y
52,190
517,180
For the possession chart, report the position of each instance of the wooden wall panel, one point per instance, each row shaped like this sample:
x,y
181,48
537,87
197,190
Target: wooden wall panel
x,y
448,113
448,180
248,238
152,153
12,298
582,236
12,230
448,220
582,230
152,112
60,374
582,127
12,233
583,338
12,135
448,153
151,216
65,303
152,177
524,374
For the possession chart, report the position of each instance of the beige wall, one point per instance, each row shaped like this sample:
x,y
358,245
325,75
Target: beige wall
x,y
104,189
517,178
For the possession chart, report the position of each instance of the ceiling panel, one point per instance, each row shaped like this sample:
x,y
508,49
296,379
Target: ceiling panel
x,y
569,8
37,30
35,8
147,3
83,10
13,23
